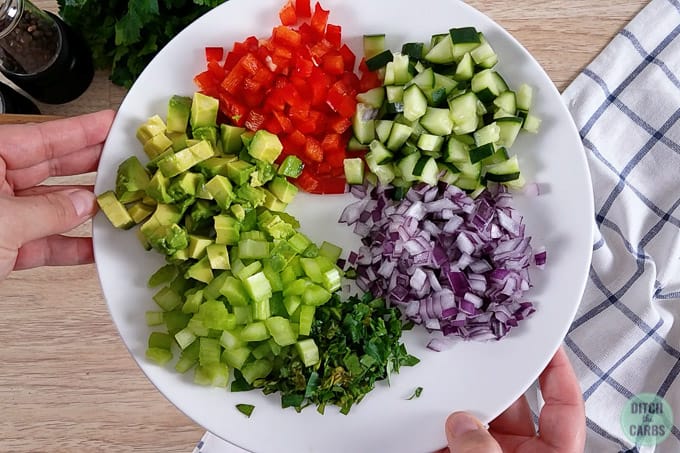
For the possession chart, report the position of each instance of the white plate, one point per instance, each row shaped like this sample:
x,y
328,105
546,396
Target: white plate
x,y
483,378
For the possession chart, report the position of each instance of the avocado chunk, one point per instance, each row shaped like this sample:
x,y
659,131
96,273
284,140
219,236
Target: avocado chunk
x,y
140,211
178,139
179,110
131,180
265,146
198,246
228,229
291,166
215,166
250,196
203,111
221,190
208,133
284,190
182,161
115,211
218,255
151,127
157,145
264,173
200,271
272,202
158,188
168,239
239,171
231,138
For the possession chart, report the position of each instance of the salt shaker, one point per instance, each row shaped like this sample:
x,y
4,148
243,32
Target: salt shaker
x,y
41,54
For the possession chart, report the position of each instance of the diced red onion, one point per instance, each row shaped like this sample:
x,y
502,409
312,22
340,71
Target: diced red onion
x,y
449,262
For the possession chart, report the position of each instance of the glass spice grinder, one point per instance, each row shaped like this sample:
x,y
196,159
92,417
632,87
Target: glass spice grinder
x,y
41,54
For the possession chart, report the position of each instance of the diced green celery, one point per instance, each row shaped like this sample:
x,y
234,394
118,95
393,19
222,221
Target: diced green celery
x,y
261,309
188,357
153,318
244,314
236,264
256,369
273,276
292,303
234,291
315,295
262,350
253,249
209,351
276,349
185,337
295,265
258,287
312,251
159,355
296,288
330,251
276,304
212,289
287,276
332,279
184,364
236,357
230,339
308,351
197,327
167,299
312,269
214,374
160,340
192,302
299,242
252,269
306,319
215,315
163,275
254,235
281,330
255,331
175,321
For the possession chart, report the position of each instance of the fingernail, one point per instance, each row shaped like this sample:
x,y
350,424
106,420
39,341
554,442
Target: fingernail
x,y
83,201
459,424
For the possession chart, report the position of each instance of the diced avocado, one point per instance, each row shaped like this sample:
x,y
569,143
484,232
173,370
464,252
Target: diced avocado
x,y
218,255
215,166
183,188
179,110
115,211
168,239
152,127
272,202
291,166
200,271
183,160
277,228
221,190
157,145
153,163
178,139
140,211
284,190
228,229
239,171
208,133
164,215
265,146
250,196
131,180
264,173
231,138
198,246
203,111
158,188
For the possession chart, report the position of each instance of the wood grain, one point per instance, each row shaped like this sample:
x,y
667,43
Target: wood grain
x,y
67,381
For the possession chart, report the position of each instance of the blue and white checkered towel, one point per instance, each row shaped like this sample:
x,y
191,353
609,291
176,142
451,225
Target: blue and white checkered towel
x,y
625,339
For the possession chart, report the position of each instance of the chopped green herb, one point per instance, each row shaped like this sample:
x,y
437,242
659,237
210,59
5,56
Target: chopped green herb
x,y
245,409
416,394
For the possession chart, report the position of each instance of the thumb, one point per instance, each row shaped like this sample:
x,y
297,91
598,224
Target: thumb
x,y
466,434
36,216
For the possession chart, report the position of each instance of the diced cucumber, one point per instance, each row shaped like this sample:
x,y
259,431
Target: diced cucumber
x,y
437,121
531,123
525,95
373,44
354,170
415,103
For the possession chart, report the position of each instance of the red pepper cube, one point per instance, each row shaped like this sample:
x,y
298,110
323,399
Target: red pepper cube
x,y
334,35
250,64
253,98
232,82
330,142
308,34
324,169
254,120
351,80
348,56
313,150
284,122
362,66
319,19
206,82
214,53
335,157
303,8
338,124
369,80
235,111
307,181
297,138
216,70
272,125
264,77
333,63
283,35
341,99
287,14
252,43
318,50
232,60
303,66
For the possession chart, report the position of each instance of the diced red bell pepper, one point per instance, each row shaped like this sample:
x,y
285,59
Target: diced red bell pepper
x,y
334,35
333,63
284,122
283,35
214,53
303,8
319,19
254,120
287,14
369,80
313,150
206,82
250,63
308,182
340,100
232,109
303,66
348,56
338,124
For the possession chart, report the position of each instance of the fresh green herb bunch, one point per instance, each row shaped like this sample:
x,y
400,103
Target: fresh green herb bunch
x,y
359,345
125,35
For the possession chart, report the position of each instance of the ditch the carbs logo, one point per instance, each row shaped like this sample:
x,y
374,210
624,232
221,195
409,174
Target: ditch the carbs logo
x,y
647,419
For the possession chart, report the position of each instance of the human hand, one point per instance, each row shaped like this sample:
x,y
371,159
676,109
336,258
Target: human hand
x,y
34,216
561,424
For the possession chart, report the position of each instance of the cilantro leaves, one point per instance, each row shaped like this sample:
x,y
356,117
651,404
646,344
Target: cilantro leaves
x,y
124,35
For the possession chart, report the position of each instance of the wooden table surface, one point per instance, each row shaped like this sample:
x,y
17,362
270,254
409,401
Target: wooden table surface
x,y
67,381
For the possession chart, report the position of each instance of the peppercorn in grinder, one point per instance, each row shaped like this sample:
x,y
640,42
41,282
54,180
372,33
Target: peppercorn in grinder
x,y
41,54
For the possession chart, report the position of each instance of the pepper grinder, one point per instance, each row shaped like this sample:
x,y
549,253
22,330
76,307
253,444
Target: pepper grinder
x,y
41,54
